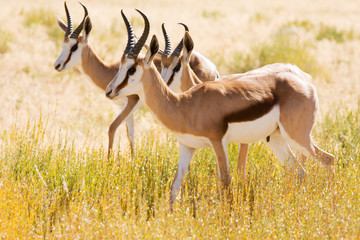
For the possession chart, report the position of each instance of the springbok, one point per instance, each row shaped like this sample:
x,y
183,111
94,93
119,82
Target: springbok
x,y
170,66
77,50
239,108
187,79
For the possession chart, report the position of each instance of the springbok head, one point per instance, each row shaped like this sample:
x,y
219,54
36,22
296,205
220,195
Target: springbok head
x,y
184,61
73,42
133,68
170,62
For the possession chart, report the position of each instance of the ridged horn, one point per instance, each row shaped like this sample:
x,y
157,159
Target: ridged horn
x,y
134,52
131,37
179,47
77,31
69,21
167,50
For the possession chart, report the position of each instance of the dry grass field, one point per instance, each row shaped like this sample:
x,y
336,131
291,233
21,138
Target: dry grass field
x,y
55,179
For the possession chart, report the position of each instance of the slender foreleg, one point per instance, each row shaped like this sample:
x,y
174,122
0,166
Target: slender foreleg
x,y
186,154
124,114
222,163
243,152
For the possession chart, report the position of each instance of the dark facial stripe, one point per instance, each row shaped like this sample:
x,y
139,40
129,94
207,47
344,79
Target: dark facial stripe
x,y
253,112
171,79
177,67
175,70
123,84
126,80
69,57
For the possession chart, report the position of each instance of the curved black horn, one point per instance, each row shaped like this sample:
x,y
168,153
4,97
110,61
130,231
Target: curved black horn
x,y
179,47
136,49
131,37
69,21
77,31
167,50
184,25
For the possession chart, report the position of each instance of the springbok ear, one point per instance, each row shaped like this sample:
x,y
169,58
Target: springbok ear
x,y
61,24
152,51
188,47
87,28
159,53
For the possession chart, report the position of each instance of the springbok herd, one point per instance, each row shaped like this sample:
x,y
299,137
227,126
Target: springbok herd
x,y
276,103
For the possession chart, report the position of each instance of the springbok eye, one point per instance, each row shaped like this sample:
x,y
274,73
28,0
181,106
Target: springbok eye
x,y
74,48
177,68
131,71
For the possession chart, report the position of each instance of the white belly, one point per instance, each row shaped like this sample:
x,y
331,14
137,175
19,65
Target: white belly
x,y
192,140
253,131
243,132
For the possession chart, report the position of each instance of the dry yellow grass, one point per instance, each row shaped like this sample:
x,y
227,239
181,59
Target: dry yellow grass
x,y
30,85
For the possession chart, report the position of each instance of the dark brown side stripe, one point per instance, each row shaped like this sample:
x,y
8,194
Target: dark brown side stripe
x,y
253,112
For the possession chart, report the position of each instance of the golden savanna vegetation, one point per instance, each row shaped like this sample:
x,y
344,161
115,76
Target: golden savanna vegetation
x,y
57,182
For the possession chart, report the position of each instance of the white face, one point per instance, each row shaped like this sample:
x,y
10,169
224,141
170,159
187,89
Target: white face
x,y
172,74
70,55
127,80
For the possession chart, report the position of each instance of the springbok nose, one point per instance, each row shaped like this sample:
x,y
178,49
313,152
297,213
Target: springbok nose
x,y
57,66
108,93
